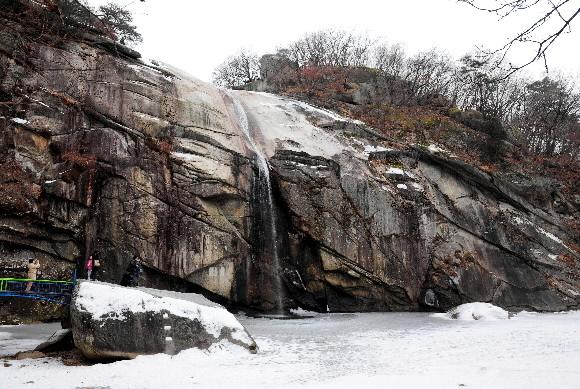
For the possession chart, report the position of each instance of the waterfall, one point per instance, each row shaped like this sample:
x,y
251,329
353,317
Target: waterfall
x,y
265,197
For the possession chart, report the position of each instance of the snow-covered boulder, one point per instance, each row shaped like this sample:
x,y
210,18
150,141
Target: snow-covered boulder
x,y
109,321
475,311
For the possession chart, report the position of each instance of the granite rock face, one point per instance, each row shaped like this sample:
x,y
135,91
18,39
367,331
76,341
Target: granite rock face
x,y
414,229
370,228
105,153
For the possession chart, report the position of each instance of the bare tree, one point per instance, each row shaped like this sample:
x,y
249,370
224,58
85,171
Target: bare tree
x,y
331,48
556,17
429,73
549,122
390,59
485,88
237,70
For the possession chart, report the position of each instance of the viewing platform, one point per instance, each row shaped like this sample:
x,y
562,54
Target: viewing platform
x,y
58,292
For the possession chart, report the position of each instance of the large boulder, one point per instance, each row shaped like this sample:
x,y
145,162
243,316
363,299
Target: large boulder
x,y
110,321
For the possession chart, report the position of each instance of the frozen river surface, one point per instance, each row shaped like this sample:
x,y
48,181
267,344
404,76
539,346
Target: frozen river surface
x,y
373,350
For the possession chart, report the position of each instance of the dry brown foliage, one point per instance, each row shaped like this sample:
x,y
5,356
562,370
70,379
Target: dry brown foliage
x,y
84,161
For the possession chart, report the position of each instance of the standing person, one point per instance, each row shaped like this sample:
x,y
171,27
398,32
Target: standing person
x,y
33,266
96,267
137,269
126,279
89,266
131,276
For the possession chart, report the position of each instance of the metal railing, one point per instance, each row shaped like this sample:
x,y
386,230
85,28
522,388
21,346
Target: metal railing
x,y
58,292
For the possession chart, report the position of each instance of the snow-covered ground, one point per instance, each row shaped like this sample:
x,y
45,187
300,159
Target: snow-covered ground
x,y
373,350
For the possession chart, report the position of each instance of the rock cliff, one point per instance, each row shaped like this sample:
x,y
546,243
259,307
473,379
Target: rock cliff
x,y
104,152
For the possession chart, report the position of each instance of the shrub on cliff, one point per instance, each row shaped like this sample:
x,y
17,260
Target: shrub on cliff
x,y
121,22
68,17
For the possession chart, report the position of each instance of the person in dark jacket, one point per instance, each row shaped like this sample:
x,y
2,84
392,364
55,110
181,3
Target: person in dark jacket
x,y
126,279
133,272
137,270
96,267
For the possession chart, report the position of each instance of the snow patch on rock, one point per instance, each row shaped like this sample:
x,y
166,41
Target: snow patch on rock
x,y
392,170
374,149
395,170
417,187
521,220
435,149
319,111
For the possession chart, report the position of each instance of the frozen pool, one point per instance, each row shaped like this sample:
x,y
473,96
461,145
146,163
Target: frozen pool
x,y
372,350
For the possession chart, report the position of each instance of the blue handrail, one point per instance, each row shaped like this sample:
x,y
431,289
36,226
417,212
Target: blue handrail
x,y
58,292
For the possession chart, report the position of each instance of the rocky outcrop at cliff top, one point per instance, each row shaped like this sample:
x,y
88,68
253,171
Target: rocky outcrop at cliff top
x,y
115,322
110,154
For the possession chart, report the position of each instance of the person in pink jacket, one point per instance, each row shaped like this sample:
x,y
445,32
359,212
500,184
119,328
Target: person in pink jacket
x,y
89,266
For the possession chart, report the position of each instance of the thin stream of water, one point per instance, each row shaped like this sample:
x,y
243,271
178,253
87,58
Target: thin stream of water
x,y
265,193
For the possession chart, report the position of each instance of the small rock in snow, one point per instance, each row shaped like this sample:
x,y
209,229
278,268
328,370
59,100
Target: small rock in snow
x,y
475,311
303,312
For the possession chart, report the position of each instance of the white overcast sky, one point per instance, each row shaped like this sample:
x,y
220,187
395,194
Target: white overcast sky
x,y
196,35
